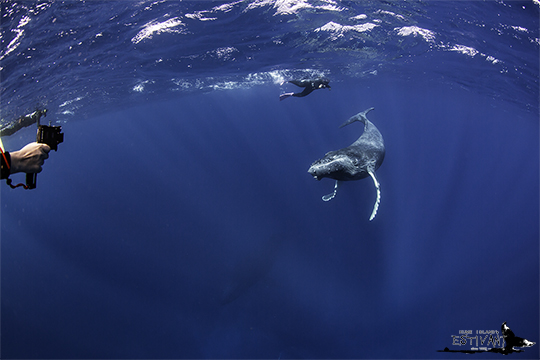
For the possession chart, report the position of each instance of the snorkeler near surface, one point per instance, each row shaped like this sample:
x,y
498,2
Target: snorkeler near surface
x,y
309,85
22,122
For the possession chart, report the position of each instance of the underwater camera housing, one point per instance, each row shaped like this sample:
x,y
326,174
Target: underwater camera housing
x,y
46,134
50,135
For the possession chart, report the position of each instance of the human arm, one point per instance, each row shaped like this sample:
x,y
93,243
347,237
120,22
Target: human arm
x,y
29,159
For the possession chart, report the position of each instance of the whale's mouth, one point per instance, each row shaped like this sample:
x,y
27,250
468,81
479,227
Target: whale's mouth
x,y
315,172
329,165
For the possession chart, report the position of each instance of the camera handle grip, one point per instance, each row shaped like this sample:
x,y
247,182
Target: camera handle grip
x,y
50,135
31,180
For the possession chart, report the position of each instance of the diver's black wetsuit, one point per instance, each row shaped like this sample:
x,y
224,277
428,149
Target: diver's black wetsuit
x,y
308,85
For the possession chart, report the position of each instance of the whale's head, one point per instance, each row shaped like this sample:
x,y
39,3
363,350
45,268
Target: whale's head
x,y
339,166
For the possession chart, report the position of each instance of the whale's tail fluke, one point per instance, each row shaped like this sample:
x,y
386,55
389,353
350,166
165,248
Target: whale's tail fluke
x,y
358,117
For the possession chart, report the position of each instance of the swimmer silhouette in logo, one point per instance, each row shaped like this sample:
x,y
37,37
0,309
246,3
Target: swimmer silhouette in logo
x,y
511,343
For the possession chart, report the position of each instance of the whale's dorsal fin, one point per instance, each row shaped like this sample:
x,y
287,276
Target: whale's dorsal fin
x,y
330,196
377,202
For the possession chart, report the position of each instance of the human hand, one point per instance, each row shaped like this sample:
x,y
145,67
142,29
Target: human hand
x,y
30,158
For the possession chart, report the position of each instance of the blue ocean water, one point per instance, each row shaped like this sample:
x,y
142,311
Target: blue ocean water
x,y
178,220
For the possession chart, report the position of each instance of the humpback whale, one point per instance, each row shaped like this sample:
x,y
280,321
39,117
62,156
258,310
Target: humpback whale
x,y
357,161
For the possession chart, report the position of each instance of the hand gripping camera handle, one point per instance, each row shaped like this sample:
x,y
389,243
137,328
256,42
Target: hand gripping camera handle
x,y
50,135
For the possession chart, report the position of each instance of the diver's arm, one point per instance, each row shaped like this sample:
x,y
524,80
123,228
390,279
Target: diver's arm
x,y
301,83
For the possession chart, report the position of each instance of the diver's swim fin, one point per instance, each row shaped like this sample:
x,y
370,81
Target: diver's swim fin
x,y
284,96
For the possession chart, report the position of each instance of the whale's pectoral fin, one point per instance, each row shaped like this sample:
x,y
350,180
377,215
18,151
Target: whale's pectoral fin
x,y
330,196
378,186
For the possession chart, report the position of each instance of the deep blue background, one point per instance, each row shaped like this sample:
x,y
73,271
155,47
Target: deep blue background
x,y
191,228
